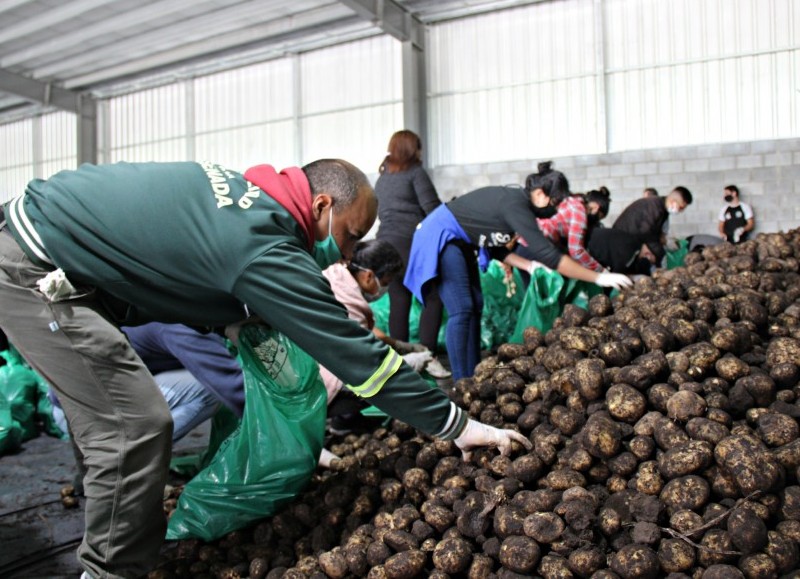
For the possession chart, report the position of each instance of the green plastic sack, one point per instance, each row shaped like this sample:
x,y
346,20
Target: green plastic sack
x,y
18,385
578,293
541,306
223,423
380,311
500,311
675,258
10,430
271,456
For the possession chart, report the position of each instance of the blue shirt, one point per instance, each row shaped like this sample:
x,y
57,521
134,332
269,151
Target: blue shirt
x,y
165,347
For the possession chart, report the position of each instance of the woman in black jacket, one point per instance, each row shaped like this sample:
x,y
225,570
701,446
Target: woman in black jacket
x,y
405,196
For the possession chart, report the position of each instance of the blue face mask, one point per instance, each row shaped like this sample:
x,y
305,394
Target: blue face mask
x,y
326,252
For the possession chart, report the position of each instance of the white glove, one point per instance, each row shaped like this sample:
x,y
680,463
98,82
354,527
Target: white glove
x,y
418,360
672,244
326,457
536,265
737,234
477,434
615,280
402,347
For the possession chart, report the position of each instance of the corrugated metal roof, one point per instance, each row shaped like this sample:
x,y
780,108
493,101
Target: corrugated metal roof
x,y
51,50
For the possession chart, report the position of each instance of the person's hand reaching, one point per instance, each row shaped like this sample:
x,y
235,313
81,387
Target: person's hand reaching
x,y
613,280
476,434
402,347
418,360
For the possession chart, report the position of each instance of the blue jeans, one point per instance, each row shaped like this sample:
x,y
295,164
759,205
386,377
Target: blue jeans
x,y
460,290
189,402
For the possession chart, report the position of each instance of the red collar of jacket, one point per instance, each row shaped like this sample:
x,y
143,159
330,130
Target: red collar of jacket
x,y
290,188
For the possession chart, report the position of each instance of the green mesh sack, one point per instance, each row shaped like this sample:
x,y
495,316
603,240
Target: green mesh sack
x,y
271,456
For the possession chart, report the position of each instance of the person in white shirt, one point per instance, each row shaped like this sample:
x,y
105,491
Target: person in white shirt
x,y
736,219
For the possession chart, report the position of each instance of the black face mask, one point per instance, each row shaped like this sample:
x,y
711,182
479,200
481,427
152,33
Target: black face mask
x,y
592,218
728,198
544,212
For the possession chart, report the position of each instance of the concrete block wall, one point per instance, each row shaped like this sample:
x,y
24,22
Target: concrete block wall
x,y
766,172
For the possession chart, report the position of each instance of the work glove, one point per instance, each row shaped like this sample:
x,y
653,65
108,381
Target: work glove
x,y
326,457
402,347
672,244
737,234
418,360
615,280
477,434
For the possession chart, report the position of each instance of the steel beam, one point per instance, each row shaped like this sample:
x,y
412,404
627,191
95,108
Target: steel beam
x,y
39,92
392,18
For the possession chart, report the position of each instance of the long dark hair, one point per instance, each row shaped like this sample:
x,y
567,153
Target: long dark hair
x,y
552,182
403,152
600,196
376,255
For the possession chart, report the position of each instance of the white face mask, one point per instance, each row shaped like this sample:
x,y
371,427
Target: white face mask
x,y
382,289
672,209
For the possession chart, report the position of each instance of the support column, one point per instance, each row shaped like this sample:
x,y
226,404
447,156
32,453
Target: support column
x,y
415,103
87,129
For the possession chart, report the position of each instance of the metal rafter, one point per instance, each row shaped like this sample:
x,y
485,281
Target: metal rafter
x,y
39,92
49,18
112,25
391,17
216,48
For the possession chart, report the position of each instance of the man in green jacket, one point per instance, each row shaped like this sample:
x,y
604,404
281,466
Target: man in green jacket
x,y
199,244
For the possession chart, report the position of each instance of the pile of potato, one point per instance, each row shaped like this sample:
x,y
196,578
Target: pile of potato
x,y
665,439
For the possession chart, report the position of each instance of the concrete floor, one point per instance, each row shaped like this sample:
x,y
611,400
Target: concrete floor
x,y
38,536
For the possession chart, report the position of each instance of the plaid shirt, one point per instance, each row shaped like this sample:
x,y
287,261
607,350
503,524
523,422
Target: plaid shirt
x,y
570,223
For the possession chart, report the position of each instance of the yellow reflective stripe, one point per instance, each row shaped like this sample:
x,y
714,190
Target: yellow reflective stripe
x,y
391,363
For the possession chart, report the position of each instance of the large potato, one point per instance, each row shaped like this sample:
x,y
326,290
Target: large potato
x,y
601,437
749,463
684,405
635,562
704,429
625,403
685,458
688,492
783,350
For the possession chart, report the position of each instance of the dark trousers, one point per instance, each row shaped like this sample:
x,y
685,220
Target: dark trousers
x,y
460,291
400,299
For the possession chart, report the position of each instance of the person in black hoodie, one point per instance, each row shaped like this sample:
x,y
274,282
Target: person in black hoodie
x,y
649,217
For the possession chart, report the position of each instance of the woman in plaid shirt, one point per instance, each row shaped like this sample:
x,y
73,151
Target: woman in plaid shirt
x,y
570,224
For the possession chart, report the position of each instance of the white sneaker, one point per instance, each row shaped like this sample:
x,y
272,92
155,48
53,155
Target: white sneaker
x,y
435,369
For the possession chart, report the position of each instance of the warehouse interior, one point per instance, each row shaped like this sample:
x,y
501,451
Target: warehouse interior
x,y
623,94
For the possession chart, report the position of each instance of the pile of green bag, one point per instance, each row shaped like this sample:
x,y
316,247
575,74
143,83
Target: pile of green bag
x,y
500,307
24,404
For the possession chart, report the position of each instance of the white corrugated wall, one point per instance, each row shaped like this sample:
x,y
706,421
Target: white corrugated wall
x,y
35,147
566,77
593,76
343,101
514,84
